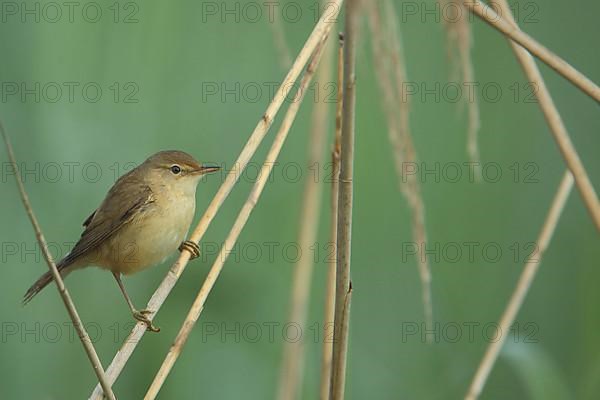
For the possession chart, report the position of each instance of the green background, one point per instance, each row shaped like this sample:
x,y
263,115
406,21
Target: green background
x,y
168,57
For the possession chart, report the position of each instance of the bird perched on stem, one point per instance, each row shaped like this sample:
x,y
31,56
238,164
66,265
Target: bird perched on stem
x,y
143,219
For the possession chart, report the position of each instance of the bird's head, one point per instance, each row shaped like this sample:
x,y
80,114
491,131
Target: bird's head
x,y
176,168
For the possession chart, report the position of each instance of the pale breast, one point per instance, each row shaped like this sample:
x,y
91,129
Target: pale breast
x,y
152,237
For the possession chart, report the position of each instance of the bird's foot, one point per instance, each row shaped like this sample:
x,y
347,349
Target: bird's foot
x,y
141,316
191,247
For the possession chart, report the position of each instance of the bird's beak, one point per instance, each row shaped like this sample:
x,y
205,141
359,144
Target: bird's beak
x,y
206,169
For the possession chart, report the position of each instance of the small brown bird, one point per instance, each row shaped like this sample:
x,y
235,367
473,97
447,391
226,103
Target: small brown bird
x,y
143,219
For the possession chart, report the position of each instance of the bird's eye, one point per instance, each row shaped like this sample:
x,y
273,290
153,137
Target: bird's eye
x,y
176,169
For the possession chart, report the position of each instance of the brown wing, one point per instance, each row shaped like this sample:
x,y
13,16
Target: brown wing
x,y
124,201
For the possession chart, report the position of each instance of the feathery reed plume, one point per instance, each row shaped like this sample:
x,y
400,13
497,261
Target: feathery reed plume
x,y
396,107
459,42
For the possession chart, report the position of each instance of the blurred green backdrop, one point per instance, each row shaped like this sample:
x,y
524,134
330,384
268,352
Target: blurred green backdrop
x,y
157,65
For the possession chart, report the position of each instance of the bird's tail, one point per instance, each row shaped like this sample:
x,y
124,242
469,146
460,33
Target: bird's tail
x,y
43,281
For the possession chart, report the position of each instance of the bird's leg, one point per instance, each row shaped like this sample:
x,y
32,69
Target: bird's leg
x,y
191,247
138,315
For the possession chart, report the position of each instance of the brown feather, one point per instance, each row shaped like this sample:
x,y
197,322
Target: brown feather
x,y
118,208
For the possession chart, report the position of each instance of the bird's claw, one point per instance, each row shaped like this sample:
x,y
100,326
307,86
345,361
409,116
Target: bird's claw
x,y
141,316
191,247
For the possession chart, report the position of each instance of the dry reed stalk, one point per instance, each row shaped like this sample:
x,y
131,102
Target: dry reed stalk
x,y
60,285
561,135
292,365
554,120
261,129
522,287
460,41
343,286
512,31
329,309
397,114
238,225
